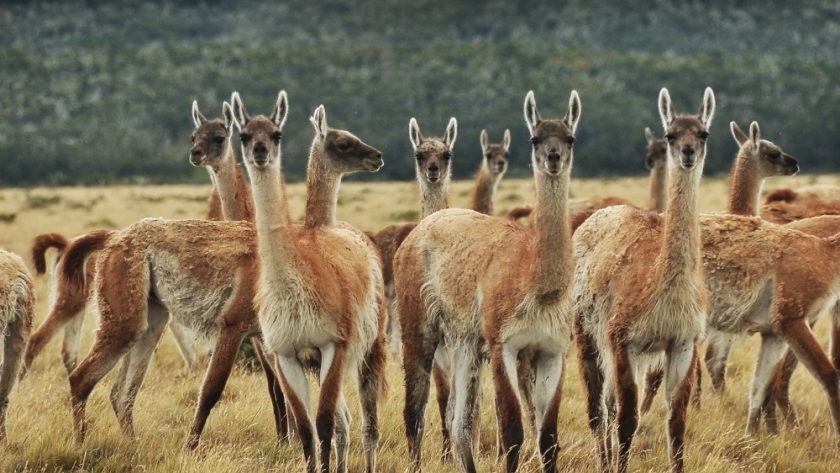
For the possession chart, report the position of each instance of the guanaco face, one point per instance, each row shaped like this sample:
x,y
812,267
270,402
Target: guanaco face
x,y
496,156
686,134
771,160
211,138
260,135
344,151
656,152
552,140
432,156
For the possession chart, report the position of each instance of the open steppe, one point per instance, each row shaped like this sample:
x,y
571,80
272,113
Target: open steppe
x,y
239,435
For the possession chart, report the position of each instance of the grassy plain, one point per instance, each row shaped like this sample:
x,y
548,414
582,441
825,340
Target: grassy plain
x,y
239,434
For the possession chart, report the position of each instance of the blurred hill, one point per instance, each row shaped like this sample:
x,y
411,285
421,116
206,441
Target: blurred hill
x,y
97,92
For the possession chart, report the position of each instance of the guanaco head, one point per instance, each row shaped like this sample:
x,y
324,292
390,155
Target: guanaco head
x,y
432,155
496,156
553,139
657,151
771,160
260,135
686,134
344,152
211,138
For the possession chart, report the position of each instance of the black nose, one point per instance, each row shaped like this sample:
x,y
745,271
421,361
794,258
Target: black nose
x,y
434,168
688,151
259,147
554,157
195,156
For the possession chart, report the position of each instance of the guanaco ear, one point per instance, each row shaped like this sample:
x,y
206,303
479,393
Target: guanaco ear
x,y
666,109
572,116
451,133
240,116
532,117
707,109
506,140
649,136
755,134
198,118
319,120
281,109
483,141
414,133
739,135
227,116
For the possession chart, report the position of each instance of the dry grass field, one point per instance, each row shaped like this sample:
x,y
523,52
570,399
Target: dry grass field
x,y
239,435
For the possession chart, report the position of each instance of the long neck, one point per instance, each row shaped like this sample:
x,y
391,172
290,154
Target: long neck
x,y
550,220
680,253
485,188
745,188
658,188
322,186
278,254
234,192
434,196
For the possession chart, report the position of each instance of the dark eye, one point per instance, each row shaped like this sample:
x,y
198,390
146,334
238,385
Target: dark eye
x,y
446,156
219,140
703,135
275,137
418,156
774,156
535,141
192,138
670,138
343,146
570,140
245,139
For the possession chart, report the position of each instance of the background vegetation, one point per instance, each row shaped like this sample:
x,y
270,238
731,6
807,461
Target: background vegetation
x,y
98,92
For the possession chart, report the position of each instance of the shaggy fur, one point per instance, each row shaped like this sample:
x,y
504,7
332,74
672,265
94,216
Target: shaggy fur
x,y
17,308
506,290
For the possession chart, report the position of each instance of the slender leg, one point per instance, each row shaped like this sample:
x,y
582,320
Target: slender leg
x,y
717,353
835,336
780,392
549,369
443,390
503,366
527,380
224,355
417,366
811,355
626,393
593,385
770,354
653,379
297,394
65,310
681,362
72,341
184,341
12,347
372,387
342,434
466,364
134,369
275,393
333,358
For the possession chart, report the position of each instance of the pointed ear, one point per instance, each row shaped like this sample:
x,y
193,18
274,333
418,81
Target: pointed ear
x,y
755,134
572,116
506,140
414,133
483,141
240,116
532,117
666,109
451,133
319,120
281,109
198,118
739,135
227,116
707,108
649,136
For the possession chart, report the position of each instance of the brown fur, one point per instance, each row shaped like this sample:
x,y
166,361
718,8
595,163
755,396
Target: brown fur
x,y
524,278
41,244
320,285
639,290
17,309
656,155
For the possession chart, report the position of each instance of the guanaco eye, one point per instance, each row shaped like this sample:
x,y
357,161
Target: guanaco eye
x,y
446,156
703,135
670,138
276,136
192,138
774,156
418,157
535,141
570,140
343,146
245,139
219,140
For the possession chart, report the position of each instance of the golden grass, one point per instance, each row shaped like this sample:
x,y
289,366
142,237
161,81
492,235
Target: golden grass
x,y
239,434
